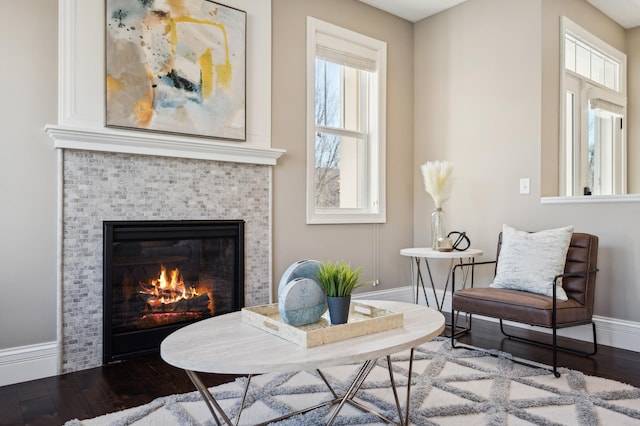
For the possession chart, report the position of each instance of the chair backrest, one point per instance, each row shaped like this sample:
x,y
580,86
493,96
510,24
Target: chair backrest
x,y
582,256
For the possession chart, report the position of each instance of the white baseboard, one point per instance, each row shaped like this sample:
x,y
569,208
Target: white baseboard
x,y
30,362
620,334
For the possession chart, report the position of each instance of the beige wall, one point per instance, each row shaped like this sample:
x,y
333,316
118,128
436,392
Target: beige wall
x,y
591,19
28,83
481,102
633,109
374,247
477,104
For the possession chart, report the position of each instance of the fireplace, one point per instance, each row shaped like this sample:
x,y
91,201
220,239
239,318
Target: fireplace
x,y
162,275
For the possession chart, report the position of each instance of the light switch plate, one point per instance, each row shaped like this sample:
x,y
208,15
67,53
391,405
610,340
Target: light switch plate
x,y
525,186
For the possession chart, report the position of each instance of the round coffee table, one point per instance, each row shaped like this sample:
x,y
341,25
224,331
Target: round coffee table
x,y
226,345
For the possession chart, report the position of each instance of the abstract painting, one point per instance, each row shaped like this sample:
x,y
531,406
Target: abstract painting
x,y
176,66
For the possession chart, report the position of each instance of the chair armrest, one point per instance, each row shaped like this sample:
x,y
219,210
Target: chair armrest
x,y
575,274
473,265
486,262
555,285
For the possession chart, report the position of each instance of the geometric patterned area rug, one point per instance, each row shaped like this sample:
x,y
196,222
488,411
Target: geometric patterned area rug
x,y
449,387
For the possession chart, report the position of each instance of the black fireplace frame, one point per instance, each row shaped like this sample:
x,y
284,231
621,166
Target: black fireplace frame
x,y
148,341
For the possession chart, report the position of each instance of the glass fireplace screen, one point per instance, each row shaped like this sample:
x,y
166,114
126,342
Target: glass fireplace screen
x,y
162,275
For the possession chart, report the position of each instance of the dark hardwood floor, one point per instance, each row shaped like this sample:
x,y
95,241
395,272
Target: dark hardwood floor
x,y
608,362
90,393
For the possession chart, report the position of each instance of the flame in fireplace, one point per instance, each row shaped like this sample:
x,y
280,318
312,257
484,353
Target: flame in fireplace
x,y
167,288
168,293
172,289
169,299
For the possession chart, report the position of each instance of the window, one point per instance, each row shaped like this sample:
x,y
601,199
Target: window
x,y
346,86
593,85
588,62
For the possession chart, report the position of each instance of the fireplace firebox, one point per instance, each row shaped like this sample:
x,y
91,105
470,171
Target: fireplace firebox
x,y
162,275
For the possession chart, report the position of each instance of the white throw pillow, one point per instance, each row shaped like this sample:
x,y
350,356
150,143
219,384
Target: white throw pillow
x,y
529,261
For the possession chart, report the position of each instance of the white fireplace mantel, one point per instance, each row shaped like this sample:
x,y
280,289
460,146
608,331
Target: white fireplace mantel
x,y
149,143
81,108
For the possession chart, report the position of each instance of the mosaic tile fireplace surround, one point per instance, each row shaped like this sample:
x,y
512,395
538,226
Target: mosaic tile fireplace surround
x,y
104,186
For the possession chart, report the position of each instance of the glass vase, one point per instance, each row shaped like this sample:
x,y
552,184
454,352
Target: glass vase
x,y
437,227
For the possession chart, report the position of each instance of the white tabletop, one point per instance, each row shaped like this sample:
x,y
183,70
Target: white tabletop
x,y
225,345
428,252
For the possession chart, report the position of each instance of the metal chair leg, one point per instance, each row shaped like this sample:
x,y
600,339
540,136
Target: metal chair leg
x,y
554,346
562,348
454,326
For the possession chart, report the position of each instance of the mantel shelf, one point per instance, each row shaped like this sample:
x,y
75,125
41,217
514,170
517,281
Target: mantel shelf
x,y
147,143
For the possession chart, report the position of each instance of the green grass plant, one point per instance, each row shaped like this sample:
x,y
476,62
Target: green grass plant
x,y
338,279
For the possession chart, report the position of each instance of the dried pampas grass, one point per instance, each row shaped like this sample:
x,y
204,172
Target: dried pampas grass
x,y
437,180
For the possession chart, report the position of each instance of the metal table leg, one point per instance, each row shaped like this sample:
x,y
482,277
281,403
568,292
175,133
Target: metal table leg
x,y
208,398
419,282
348,397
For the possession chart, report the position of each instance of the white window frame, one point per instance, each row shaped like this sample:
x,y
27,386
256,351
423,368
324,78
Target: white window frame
x,y
374,196
572,159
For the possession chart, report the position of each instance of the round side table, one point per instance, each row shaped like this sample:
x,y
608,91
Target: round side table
x,y
419,255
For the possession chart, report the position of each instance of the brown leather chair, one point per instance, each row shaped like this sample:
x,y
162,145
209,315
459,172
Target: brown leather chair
x,y
578,281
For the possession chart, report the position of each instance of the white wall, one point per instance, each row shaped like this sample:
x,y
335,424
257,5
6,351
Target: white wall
x,y
28,84
28,215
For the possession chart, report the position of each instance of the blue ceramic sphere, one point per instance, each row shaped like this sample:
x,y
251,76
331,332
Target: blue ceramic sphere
x,y
300,269
301,302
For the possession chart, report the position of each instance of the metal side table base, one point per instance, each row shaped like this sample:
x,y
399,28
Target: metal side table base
x,y
424,255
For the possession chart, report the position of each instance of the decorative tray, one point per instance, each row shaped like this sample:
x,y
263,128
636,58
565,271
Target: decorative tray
x,y
363,319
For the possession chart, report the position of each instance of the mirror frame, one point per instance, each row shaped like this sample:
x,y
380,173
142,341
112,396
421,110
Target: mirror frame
x,y
569,26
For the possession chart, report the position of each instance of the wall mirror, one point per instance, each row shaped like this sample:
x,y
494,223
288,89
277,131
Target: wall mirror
x,y
593,112
599,114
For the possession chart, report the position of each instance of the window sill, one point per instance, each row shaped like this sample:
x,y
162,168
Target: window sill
x,y
592,199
